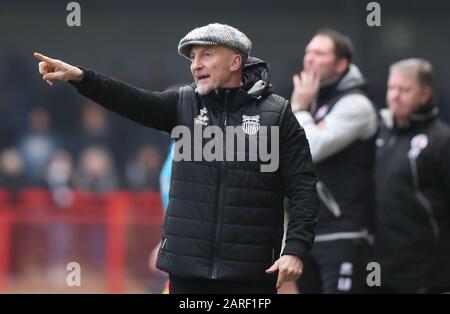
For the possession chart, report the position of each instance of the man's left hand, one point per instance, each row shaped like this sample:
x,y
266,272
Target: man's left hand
x,y
289,268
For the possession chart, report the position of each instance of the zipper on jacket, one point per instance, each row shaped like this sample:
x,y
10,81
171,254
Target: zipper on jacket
x,y
392,140
220,200
161,249
328,199
423,200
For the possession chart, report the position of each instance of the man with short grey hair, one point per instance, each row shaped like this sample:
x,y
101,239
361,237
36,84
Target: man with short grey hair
x,y
223,227
413,185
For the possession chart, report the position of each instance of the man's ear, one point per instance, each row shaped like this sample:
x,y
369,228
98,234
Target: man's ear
x,y
426,94
341,65
236,63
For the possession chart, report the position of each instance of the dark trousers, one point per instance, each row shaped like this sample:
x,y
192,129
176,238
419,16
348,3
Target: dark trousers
x,y
337,266
209,286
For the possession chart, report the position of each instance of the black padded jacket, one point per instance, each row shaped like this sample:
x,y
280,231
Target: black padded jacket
x,y
225,218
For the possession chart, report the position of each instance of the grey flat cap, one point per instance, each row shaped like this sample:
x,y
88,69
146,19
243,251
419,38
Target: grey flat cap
x,y
215,34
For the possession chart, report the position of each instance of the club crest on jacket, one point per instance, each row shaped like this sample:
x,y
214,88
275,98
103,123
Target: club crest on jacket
x,y
202,118
323,110
418,143
250,124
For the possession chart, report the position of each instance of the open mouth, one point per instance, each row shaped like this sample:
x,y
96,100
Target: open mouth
x,y
202,78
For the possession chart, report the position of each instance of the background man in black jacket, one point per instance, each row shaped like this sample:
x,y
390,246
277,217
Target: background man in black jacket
x,y
413,185
224,223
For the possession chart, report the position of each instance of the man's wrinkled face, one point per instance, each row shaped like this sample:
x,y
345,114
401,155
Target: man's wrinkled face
x,y
212,67
404,95
320,57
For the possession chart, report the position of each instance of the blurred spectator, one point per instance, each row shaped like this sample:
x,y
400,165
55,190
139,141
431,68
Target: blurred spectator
x,y
96,173
11,169
37,145
95,129
166,176
143,171
59,180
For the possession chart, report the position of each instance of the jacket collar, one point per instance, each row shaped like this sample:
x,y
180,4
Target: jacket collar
x,y
420,117
351,79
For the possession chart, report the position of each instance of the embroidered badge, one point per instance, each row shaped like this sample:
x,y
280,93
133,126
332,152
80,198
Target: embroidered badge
x,y
202,118
250,124
418,143
323,110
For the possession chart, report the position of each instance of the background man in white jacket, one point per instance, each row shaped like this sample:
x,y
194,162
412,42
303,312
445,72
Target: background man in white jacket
x,y
331,103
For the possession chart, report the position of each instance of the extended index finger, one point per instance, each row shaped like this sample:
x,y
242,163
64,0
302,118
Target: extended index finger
x,y
41,57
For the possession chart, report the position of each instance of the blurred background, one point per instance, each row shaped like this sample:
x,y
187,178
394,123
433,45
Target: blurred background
x,y
83,183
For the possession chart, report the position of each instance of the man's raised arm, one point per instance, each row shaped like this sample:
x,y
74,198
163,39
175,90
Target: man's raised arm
x,y
152,109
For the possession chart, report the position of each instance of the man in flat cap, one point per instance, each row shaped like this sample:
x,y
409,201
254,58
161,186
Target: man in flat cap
x,y
223,228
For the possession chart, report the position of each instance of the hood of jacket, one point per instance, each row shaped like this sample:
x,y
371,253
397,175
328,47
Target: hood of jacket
x,y
351,79
255,86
